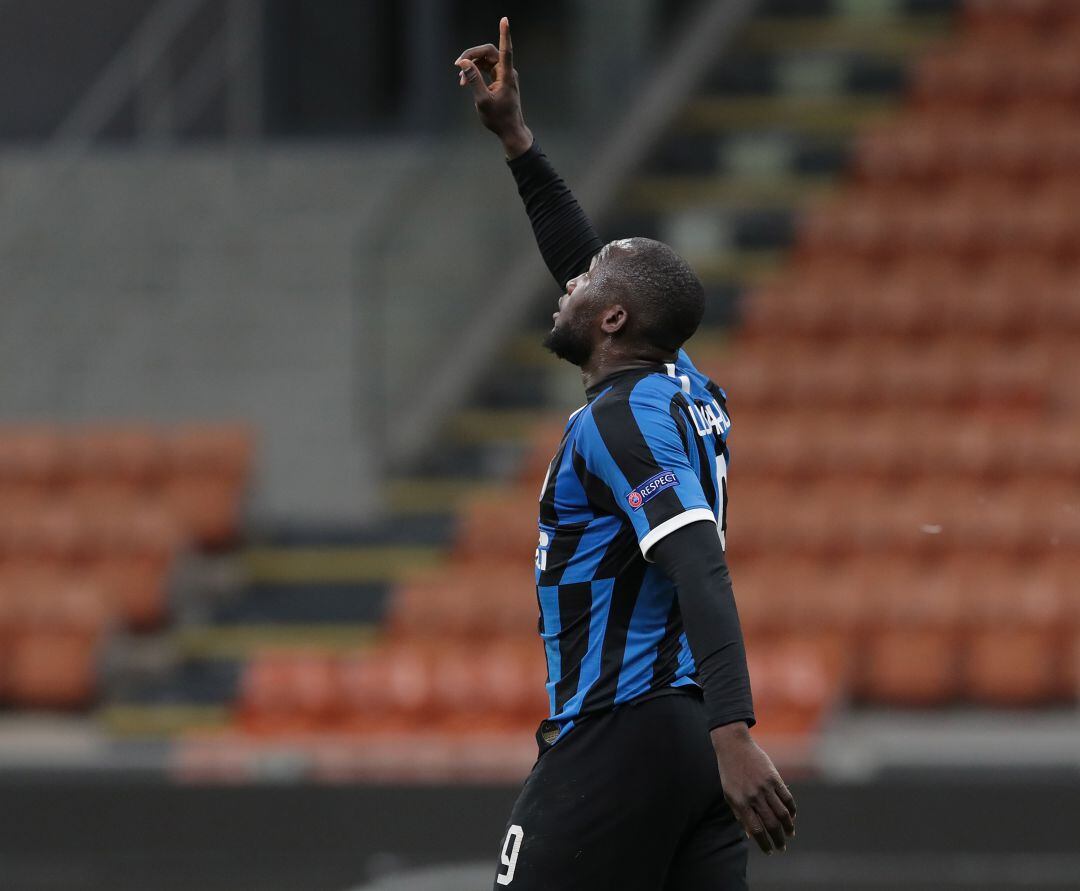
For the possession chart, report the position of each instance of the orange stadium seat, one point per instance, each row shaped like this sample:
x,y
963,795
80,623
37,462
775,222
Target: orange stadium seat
x,y
792,687
55,625
1014,648
467,601
543,441
1004,18
498,527
113,460
207,470
287,692
31,461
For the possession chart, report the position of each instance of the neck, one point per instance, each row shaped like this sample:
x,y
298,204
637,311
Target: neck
x,y
605,362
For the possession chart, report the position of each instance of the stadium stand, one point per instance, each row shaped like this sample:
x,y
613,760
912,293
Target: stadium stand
x,y
406,684
891,268
94,522
902,392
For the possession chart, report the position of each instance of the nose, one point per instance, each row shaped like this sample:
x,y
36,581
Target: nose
x,y
570,285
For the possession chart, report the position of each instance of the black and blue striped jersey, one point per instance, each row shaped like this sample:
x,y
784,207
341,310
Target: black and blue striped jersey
x,y
645,456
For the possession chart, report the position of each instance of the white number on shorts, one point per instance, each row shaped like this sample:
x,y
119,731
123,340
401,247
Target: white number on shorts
x,y
510,851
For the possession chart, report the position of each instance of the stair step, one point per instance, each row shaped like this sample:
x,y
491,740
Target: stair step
x,y
135,720
299,603
411,495
480,425
240,642
897,36
376,563
821,116
673,193
751,159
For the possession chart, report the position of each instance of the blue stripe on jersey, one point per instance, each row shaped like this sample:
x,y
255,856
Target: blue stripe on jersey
x,y
590,665
647,628
686,660
590,550
552,619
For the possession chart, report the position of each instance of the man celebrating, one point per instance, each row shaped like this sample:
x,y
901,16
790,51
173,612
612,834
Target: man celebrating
x,y
647,777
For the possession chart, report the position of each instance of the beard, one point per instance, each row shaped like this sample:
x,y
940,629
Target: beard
x,y
569,343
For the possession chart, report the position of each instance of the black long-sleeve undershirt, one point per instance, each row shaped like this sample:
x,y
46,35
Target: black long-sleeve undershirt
x,y
564,233
693,559
692,556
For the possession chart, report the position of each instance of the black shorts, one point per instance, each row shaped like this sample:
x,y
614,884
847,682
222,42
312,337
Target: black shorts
x,y
628,799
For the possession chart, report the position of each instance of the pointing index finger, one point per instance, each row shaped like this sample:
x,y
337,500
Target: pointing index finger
x,y
506,47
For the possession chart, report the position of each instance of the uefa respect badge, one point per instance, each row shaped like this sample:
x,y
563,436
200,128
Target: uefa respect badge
x,y
652,487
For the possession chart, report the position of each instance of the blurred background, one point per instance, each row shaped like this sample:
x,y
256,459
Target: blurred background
x,y
273,416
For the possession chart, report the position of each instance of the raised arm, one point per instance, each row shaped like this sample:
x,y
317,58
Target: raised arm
x,y
564,234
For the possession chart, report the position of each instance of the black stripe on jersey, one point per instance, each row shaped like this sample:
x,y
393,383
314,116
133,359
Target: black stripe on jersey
x,y
563,545
624,597
718,395
623,546
667,651
574,600
705,461
675,409
547,498
618,428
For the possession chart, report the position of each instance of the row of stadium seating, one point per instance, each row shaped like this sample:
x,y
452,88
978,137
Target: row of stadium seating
x,y
910,411
932,300
929,147
905,517
466,687
797,445
968,221
915,421
195,474
92,523
1007,17
867,372
833,519
993,73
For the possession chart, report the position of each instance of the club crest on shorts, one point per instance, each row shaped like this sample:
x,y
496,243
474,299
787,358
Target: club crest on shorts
x,y
652,487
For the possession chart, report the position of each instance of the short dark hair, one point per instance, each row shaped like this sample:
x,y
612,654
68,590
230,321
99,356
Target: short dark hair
x,y
664,295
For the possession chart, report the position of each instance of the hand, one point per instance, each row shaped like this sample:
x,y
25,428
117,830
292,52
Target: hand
x,y
498,103
753,788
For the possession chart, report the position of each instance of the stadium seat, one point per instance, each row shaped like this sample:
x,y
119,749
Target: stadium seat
x,y
500,527
125,460
31,462
467,601
287,693
207,470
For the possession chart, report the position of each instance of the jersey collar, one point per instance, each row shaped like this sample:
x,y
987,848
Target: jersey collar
x,y
618,376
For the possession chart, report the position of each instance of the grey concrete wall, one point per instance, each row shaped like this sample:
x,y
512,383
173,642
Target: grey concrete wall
x,y
203,285
309,291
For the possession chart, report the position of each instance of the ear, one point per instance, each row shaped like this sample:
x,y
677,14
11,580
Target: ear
x,y
614,319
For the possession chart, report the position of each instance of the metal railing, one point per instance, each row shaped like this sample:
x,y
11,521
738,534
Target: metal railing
x,y
165,101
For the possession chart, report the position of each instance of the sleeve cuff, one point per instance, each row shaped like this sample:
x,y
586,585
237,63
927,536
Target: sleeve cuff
x,y
720,720
694,515
526,158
